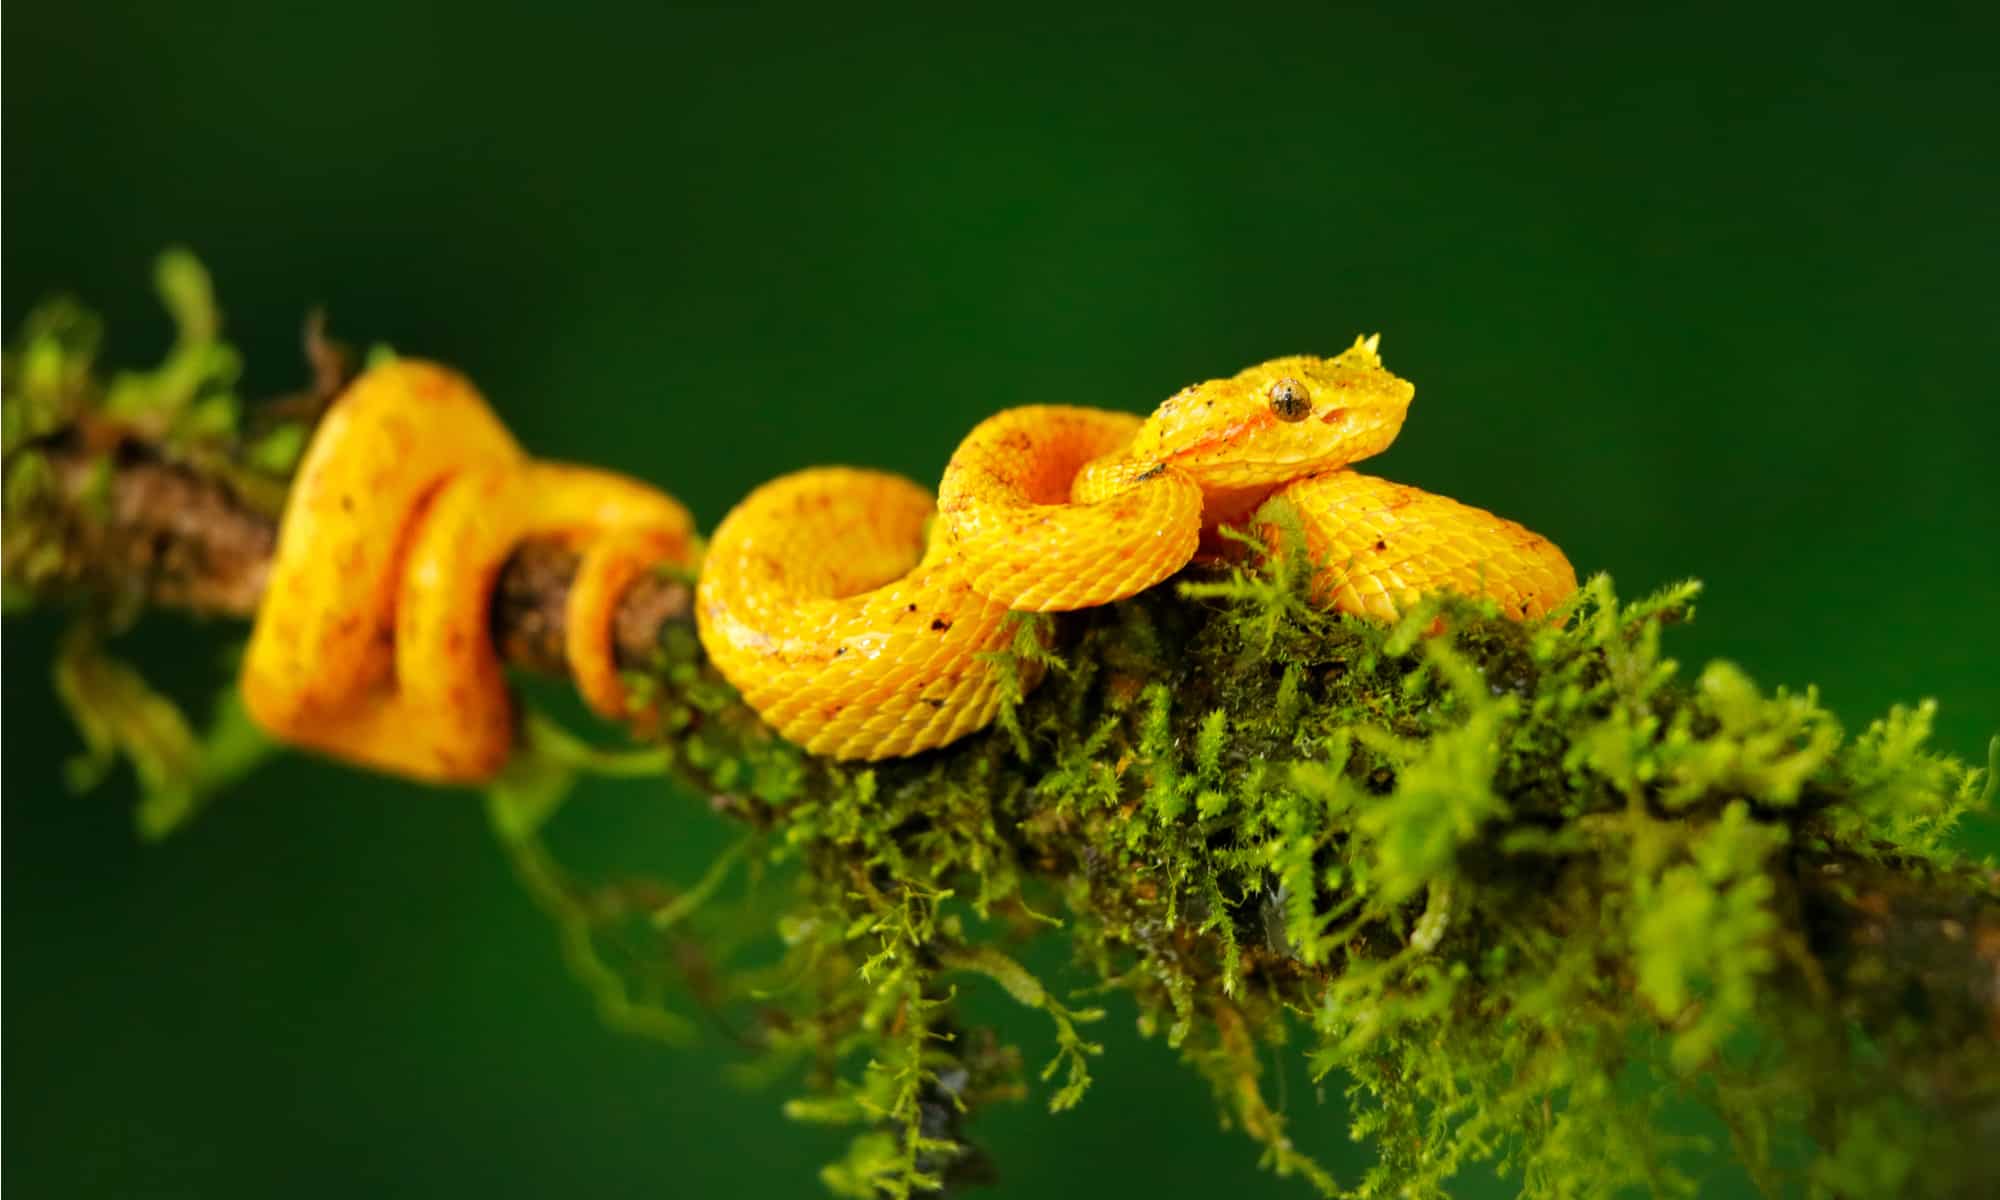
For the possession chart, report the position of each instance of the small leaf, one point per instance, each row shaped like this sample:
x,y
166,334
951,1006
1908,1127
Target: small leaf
x,y
120,715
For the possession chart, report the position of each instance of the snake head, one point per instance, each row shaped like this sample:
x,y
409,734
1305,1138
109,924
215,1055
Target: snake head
x,y
1278,420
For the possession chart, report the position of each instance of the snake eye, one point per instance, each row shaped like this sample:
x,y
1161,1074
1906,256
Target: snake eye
x,y
1290,400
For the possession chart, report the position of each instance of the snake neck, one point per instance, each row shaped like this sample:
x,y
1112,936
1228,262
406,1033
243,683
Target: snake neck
x,y
1102,478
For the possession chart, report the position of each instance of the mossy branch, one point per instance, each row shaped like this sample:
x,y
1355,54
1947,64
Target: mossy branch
x,y
1514,885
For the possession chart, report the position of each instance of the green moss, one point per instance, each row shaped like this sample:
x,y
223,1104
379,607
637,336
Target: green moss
x,y
120,716
1520,890
184,410
1512,884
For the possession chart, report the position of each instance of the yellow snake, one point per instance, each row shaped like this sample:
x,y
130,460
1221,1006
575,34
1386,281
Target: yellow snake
x,y
856,618
371,642
821,601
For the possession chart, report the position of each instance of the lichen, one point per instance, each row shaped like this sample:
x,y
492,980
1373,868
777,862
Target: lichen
x,y
1514,887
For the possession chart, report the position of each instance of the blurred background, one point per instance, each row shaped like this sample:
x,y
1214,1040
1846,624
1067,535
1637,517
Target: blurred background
x,y
1705,293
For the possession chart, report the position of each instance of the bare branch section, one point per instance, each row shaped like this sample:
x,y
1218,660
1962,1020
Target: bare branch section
x,y
182,540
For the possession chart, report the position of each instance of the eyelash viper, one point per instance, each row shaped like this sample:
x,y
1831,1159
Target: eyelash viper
x,y
855,616
850,634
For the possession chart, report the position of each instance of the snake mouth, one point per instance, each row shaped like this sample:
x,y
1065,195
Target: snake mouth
x,y
1217,479
1357,433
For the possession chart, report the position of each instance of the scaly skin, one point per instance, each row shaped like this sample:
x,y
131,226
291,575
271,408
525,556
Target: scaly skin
x,y
821,603
371,644
817,603
846,628
1381,545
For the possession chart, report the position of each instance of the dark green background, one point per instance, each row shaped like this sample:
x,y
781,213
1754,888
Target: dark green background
x,y
1694,292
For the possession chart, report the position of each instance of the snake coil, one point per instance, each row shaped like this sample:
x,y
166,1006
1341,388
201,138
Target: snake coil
x,y
371,643
856,617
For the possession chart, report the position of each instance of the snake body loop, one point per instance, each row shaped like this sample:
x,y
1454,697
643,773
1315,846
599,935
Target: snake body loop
x,y
824,614
857,619
815,603
371,643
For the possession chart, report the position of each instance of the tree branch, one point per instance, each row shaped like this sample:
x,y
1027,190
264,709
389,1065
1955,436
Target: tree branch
x,y
1250,811
186,541
1885,941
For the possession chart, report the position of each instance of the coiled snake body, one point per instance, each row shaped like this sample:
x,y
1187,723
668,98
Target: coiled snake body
x,y
856,618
